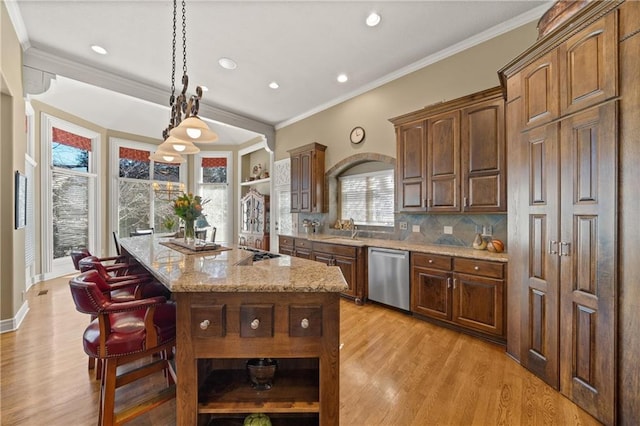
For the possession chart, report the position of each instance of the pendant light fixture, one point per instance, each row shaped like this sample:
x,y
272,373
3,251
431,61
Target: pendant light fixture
x,y
180,146
181,143
165,156
191,127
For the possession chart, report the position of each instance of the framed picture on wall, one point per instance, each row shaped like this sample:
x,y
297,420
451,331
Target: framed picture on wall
x,y
21,200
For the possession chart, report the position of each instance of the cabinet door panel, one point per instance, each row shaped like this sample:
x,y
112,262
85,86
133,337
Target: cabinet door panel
x,y
348,267
483,157
588,66
443,162
305,182
411,171
479,303
540,87
540,304
431,293
295,184
588,289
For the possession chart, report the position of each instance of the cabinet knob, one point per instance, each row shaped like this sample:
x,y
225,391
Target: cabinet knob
x,y
255,324
476,268
430,260
304,323
205,324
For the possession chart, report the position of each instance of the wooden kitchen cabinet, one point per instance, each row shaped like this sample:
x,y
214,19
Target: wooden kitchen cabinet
x,y
411,169
564,152
466,293
307,178
350,259
431,281
479,296
483,153
296,247
451,156
300,331
443,162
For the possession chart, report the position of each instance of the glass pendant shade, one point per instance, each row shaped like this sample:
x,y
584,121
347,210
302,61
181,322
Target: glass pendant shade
x,y
163,156
178,146
193,129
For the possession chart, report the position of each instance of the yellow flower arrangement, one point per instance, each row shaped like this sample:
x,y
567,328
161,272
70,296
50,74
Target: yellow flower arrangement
x,y
188,207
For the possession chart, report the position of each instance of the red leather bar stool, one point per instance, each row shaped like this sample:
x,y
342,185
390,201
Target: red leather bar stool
x,y
118,288
122,333
110,269
114,262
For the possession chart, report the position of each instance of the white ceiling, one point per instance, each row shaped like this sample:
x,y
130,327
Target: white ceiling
x,y
303,45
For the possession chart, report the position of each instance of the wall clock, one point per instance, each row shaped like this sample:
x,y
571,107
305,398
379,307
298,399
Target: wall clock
x,y
357,134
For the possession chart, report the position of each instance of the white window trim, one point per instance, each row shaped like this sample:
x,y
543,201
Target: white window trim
x,y
196,177
114,176
54,268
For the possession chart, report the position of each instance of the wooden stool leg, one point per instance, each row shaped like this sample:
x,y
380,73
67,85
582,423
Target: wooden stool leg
x,y
99,369
107,415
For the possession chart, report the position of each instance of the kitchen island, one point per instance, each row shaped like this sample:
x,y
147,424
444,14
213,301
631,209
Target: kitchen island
x,y
230,310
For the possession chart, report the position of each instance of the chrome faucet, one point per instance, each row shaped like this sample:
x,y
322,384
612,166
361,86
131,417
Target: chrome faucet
x,y
353,227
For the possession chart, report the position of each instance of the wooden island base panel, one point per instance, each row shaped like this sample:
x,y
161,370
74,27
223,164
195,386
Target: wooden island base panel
x,y
230,310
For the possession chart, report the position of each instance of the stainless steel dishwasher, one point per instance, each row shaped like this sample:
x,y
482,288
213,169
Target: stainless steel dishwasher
x,y
389,277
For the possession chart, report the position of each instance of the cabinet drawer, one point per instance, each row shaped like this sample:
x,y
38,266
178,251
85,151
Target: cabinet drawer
x,y
428,260
285,241
208,321
256,320
305,321
479,267
302,243
338,249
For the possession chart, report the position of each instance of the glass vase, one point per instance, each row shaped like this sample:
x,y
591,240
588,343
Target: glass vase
x,y
189,231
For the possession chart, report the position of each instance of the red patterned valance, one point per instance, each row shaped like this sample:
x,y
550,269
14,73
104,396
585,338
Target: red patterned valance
x,y
134,154
214,162
71,139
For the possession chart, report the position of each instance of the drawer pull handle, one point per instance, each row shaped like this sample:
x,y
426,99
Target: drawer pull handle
x,y
304,323
255,324
205,324
449,282
476,268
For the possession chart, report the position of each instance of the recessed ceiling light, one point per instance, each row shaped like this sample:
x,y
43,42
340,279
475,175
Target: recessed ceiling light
x,y
373,19
342,78
227,63
274,85
99,49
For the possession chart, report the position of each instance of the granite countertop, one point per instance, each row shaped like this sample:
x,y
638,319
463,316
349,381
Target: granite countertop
x,y
414,246
230,270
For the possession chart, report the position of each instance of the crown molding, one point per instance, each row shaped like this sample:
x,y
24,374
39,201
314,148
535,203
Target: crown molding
x,y
504,27
57,65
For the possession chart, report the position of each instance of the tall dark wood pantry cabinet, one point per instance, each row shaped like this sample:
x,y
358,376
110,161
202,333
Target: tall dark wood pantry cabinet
x,y
307,178
571,102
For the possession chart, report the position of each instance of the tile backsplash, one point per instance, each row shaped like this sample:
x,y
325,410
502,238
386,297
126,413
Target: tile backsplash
x,y
431,227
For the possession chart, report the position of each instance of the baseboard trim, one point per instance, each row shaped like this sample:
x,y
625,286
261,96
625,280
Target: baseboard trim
x,y
13,324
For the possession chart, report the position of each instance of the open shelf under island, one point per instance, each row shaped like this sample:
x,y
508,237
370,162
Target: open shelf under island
x,y
229,310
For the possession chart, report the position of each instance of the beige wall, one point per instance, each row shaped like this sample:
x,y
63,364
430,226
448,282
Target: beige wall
x,y
12,158
469,71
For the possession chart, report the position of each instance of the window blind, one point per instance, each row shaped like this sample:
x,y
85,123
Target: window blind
x,y
368,198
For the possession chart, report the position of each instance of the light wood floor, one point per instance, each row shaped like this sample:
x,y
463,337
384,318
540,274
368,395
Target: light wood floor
x,y
394,370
